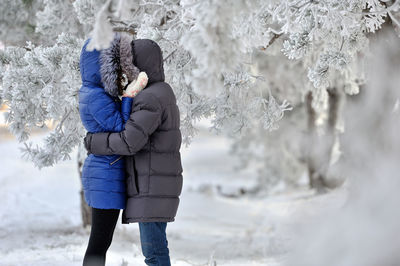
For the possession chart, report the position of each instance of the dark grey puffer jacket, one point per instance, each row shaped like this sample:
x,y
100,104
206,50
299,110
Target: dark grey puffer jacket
x,y
151,140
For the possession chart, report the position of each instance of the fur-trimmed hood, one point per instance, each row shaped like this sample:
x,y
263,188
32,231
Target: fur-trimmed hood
x,y
90,66
105,68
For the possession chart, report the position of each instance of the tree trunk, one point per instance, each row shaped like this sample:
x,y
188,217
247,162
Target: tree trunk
x,y
320,148
86,212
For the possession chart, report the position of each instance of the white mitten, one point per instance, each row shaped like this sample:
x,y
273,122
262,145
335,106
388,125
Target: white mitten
x,y
136,86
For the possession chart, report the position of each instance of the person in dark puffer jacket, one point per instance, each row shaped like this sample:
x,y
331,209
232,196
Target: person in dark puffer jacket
x,y
151,141
103,177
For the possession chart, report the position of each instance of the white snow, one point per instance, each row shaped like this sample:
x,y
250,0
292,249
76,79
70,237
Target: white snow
x,y
40,218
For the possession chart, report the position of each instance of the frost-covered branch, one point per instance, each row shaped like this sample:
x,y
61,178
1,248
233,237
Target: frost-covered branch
x,y
210,58
39,85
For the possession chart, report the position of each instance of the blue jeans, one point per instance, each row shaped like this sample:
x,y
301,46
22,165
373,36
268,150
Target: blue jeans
x,y
154,243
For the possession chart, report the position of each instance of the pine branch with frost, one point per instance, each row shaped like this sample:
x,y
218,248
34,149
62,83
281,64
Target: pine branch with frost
x,y
230,107
272,112
86,10
40,84
375,15
17,21
104,26
55,18
253,27
102,34
326,62
326,36
297,45
238,107
208,39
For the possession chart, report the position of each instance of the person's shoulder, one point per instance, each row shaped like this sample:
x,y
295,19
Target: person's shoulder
x,y
89,92
147,97
155,87
162,91
98,91
95,95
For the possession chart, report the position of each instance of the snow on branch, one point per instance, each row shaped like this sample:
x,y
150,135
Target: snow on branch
x,y
209,50
102,34
40,85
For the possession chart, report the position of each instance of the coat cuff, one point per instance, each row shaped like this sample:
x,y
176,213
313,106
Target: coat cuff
x,y
126,103
86,141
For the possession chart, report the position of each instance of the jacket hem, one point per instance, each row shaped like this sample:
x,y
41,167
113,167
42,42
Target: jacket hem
x,y
147,219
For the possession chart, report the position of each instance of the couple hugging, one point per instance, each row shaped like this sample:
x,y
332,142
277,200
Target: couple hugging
x,y
133,144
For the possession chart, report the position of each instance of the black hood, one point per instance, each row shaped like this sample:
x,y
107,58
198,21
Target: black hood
x,y
147,56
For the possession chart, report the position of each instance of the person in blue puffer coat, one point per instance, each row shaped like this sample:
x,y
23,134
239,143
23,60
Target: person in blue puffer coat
x,y
104,75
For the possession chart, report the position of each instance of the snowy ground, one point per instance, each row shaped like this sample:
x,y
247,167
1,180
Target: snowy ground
x,y
40,217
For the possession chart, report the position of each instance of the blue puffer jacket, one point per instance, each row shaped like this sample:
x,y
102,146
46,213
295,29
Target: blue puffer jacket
x,y
103,177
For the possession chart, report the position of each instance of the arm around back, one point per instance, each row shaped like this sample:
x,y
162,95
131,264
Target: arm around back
x,y
144,120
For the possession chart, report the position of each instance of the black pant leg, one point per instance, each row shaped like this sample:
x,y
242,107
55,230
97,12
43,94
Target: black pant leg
x,y
101,234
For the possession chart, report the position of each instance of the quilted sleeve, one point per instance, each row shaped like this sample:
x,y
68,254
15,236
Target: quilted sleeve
x,y
106,111
126,108
143,121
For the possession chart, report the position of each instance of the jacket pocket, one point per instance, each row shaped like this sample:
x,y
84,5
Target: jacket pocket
x,y
131,187
131,178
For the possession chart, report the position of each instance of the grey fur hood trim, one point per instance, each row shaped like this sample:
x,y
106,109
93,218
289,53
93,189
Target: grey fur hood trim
x,y
110,68
114,61
127,66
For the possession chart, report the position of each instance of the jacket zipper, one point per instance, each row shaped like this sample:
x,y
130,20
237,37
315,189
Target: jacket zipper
x,y
116,160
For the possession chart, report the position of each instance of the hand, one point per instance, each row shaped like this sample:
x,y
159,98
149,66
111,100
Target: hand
x,y
86,141
136,86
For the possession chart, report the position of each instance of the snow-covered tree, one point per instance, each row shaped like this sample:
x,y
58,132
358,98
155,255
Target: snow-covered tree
x,y
327,43
211,50
17,21
369,208
40,84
